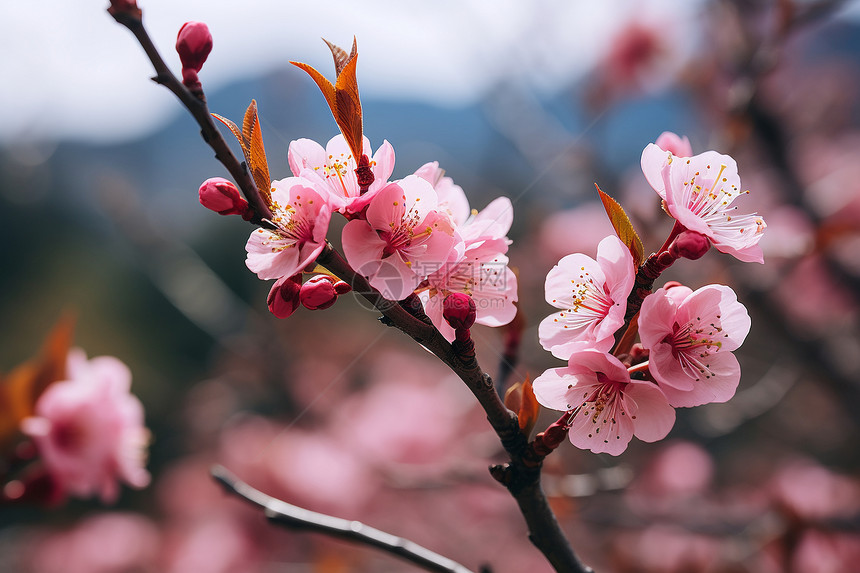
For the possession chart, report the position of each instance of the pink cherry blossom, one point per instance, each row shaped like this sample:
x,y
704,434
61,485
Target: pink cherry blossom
x,y
335,166
402,236
89,429
452,199
691,336
699,192
301,216
655,154
481,270
609,408
592,296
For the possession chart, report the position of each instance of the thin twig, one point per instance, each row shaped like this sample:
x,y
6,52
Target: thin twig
x,y
290,515
200,111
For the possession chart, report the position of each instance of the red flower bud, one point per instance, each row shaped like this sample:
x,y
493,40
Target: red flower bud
x,y
689,245
193,43
459,311
318,292
128,7
221,196
341,287
284,297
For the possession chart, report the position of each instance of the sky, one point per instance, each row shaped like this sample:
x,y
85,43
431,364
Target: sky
x,y
77,74
72,72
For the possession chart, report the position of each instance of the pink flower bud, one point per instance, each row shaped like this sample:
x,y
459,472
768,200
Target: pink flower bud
x,y
689,245
221,196
341,287
459,311
194,42
679,146
128,7
318,292
284,297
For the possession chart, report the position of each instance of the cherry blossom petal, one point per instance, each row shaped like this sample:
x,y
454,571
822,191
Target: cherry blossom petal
x,y
653,160
382,165
653,416
722,383
270,256
305,154
672,142
553,389
492,222
593,296
362,245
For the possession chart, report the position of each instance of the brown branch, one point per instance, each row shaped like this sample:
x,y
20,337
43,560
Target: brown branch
x,y
522,481
292,516
200,111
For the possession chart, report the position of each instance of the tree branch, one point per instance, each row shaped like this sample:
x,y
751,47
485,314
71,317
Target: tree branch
x,y
522,481
292,516
200,111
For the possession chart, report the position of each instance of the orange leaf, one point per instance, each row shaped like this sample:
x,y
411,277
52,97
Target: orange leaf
x,y
520,398
529,409
21,388
342,97
623,227
340,56
348,111
256,153
234,129
325,86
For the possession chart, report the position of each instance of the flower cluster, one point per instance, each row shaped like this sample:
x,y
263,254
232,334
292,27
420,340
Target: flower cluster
x,y
615,389
411,235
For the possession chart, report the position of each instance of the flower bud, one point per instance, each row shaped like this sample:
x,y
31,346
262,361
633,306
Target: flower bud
x,y
341,287
194,42
127,7
221,196
318,292
459,311
679,146
284,297
689,245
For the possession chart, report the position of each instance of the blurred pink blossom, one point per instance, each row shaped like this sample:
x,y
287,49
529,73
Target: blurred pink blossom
x,y
89,429
215,543
811,491
577,230
104,543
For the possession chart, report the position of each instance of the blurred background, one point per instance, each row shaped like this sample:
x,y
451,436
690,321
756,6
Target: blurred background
x,y
99,169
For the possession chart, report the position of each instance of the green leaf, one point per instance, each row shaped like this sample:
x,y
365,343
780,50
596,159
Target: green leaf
x,y
623,227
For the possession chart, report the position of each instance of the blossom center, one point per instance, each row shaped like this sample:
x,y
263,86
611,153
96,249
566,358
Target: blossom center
x,y
693,343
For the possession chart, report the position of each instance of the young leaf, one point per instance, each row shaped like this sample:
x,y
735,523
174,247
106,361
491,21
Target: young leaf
x,y
340,56
21,388
256,154
623,227
250,137
521,399
342,96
